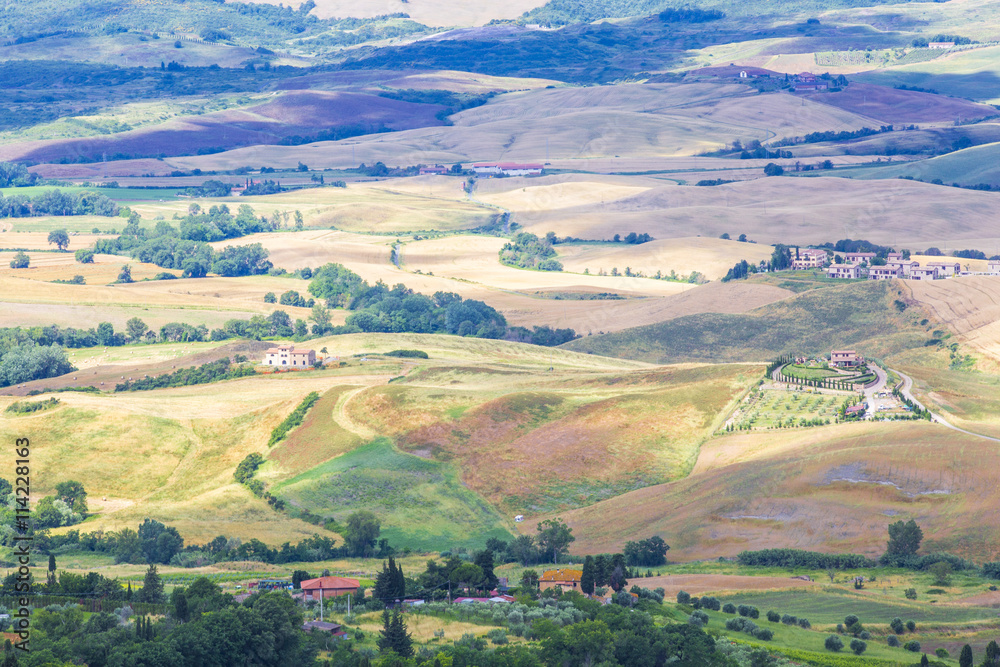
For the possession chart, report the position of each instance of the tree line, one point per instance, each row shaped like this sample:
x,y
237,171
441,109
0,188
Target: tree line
x,y
57,203
379,308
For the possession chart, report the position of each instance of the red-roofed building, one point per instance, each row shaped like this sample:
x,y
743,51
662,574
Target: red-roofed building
x,y
329,587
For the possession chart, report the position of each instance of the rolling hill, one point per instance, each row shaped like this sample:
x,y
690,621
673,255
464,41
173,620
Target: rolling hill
x,y
862,315
833,489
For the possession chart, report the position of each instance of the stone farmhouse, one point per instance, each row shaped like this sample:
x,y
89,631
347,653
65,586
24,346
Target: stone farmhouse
x,y
858,257
924,273
286,356
568,580
845,358
946,269
905,266
993,267
852,271
887,272
810,258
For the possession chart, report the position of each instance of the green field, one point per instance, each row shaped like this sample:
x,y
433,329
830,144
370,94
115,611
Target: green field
x,y
831,605
422,504
857,315
118,194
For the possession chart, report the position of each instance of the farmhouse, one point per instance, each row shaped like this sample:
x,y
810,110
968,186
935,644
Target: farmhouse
x,y
326,587
905,266
926,273
946,269
843,271
884,272
436,170
490,169
858,257
567,579
808,81
845,358
940,45
288,356
810,258
993,267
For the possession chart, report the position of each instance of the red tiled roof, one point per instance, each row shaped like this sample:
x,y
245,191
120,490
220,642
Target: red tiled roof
x,y
561,575
328,583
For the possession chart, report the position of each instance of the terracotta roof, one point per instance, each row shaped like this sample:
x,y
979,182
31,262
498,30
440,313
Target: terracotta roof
x,y
561,575
330,583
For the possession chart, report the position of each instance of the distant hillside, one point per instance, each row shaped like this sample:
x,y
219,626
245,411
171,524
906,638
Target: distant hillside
x,y
578,11
972,166
864,315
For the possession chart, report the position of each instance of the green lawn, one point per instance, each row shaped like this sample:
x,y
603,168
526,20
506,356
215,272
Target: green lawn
x,y
809,372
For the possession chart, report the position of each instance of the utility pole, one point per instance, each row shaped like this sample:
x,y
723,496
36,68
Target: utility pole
x,y
321,603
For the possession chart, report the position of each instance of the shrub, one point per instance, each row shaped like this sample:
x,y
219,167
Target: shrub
x,y
911,593
912,645
941,652
498,636
858,646
415,354
730,608
833,643
911,626
789,620
804,623
864,634
709,602
773,616
893,641
763,634
896,625
683,597
850,620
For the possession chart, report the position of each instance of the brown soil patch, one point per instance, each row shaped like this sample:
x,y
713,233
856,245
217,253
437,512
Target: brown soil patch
x,y
901,106
700,584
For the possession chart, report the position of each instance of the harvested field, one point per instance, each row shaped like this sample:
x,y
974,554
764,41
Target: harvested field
x,y
468,266
702,584
892,106
561,195
29,300
710,257
773,210
301,113
969,306
832,489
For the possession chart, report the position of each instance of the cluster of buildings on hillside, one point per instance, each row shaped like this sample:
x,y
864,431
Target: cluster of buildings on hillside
x,y
858,265
493,169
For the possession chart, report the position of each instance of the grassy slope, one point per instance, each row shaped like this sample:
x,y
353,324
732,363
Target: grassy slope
x,y
828,489
535,442
860,315
422,503
970,166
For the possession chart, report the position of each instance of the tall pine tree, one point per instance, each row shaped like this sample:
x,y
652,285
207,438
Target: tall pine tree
x,y
393,635
965,659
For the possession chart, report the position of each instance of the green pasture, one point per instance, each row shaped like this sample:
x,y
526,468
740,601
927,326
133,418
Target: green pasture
x,y
422,504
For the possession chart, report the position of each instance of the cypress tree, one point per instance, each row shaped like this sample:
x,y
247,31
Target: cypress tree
x,y
965,659
587,578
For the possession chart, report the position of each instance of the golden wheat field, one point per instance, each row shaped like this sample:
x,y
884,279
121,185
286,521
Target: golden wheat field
x,y
708,256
